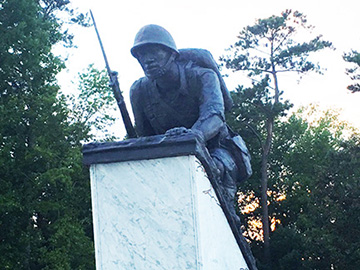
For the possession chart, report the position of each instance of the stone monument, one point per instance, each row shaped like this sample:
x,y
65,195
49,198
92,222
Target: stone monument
x,y
166,200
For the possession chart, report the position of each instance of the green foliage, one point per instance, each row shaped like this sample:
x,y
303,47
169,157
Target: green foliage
x,y
45,210
252,107
269,47
322,180
354,72
61,14
94,107
315,168
255,104
265,50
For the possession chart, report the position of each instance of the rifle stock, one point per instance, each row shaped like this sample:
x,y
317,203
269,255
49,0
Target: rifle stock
x,y
114,83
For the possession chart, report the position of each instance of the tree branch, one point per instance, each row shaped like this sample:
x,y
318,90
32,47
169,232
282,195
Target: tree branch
x,y
256,134
281,42
291,70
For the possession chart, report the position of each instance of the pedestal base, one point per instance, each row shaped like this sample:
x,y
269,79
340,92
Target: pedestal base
x,y
160,214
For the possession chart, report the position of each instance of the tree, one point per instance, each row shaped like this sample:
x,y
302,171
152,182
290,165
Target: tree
x,y
94,106
320,175
313,193
45,210
353,57
266,50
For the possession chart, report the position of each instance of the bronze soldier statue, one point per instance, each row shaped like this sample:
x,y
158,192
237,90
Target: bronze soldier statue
x,y
183,92
178,96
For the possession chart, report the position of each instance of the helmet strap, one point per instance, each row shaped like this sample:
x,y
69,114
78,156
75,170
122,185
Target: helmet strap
x,y
165,67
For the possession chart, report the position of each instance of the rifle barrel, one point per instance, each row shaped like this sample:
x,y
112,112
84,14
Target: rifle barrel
x,y
116,89
101,44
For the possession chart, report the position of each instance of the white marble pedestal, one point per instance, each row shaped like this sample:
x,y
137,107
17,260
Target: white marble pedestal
x,y
158,213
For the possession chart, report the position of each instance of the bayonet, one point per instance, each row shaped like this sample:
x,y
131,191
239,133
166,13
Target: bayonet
x,y
114,83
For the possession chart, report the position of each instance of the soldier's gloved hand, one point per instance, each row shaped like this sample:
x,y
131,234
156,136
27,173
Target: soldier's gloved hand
x,y
176,131
182,130
113,78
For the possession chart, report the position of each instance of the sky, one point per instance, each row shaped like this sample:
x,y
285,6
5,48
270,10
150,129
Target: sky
x,y
214,25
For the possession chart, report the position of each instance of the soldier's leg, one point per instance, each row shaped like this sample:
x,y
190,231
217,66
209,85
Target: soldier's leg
x,y
228,189
227,181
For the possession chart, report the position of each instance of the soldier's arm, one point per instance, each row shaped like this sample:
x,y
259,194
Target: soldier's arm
x,y
142,125
211,110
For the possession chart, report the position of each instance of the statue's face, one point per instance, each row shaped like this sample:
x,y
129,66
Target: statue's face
x,y
153,58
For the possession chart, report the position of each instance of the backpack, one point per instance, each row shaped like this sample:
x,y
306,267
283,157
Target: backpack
x,y
203,58
234,143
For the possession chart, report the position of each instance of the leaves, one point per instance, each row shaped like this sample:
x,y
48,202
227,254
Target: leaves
x,y
265,50
269,47
42,181
94,107
313,191
354,72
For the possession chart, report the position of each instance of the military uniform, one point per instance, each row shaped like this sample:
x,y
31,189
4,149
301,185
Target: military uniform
x,y
198,98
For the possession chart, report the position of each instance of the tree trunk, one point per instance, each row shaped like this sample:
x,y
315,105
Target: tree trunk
x,y
264,188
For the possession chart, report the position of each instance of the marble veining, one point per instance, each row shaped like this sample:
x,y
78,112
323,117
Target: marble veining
x,y
217,245
159,214
144,214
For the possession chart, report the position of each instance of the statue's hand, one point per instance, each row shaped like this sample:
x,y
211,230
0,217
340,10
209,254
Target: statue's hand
x,y
177,131
113,78
182,130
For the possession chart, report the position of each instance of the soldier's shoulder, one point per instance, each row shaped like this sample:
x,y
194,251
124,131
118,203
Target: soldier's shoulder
x,y
194,69
138,86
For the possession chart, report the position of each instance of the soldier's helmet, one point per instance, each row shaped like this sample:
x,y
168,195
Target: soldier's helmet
x,y
153,34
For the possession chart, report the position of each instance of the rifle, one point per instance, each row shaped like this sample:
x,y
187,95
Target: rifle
x,y
114,83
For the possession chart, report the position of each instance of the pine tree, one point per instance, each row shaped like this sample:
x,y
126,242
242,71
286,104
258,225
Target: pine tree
x,y
45,210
